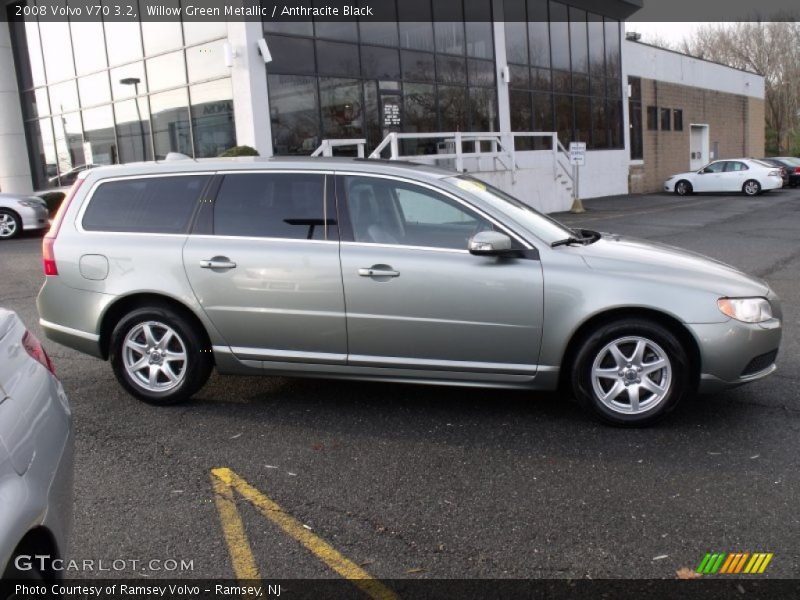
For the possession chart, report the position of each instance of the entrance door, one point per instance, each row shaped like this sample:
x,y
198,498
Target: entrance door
x,y
698,146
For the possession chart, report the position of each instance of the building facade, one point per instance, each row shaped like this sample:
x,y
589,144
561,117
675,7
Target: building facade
x,y
90,93
685,112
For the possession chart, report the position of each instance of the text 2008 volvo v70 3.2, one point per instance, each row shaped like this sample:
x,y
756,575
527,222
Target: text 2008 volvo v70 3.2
x,y
391,272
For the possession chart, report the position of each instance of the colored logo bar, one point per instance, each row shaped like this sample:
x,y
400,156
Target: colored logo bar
x,y
735,562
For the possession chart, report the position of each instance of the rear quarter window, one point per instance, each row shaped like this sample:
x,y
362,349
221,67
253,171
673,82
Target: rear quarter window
x,y
146,205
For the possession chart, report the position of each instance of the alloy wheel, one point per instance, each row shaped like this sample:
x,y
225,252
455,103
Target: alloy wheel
x,y
8,225
631,375
154,356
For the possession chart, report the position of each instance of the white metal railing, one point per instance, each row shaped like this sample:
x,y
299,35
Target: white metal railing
x,y
327,146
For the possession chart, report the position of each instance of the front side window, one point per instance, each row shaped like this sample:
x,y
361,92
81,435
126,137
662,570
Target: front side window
x,y
273,205
385,211
716,167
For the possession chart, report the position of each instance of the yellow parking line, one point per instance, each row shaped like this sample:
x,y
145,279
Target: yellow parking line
x,y
244,565
230,481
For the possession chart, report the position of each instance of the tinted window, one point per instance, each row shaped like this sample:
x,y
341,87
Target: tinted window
x,y
275,205
147,205
383,211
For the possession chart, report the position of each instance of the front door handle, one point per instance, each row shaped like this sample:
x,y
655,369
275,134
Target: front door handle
x,y
378,271
217,262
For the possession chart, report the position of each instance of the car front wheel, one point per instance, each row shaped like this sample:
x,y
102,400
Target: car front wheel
x,y
683,188
630,372
10,224
158,356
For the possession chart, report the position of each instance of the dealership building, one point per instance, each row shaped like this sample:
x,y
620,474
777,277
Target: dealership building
x,y
501,85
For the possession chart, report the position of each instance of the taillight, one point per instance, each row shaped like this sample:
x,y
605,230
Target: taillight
x,y
48,243
34,347
797,170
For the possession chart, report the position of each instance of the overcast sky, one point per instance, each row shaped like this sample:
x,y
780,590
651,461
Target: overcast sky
x,y
671,32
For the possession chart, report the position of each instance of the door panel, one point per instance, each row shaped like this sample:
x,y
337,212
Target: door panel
x,y
443,310
416,298
269,276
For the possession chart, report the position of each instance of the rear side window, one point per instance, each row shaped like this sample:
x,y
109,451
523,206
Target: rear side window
x,y
147,205
274,205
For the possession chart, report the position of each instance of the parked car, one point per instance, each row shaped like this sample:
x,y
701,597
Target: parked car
x,y
745,175
35,457
791,167
385,271
21,213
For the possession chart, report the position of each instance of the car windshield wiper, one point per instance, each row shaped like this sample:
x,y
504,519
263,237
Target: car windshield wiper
x,y
587,237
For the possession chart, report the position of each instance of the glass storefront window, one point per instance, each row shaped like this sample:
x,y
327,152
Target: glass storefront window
x,y
195,32
612,48
380,34
559,36
345,31
538,33
135,81
453,108
170,118
123,42
294,113
416,35
166,71
291,55
56,50
578,40
93,89
341,108
161,36
64,97
133,130
35,58
206,61
335,58
451,70
100,147
483,109
380,63
88,44
418,66
69,142
212,117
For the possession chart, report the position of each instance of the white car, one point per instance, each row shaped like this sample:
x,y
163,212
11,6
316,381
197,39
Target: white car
x,y
745,175
18,213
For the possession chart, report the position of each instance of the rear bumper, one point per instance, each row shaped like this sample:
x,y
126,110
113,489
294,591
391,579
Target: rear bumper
x,y
71,316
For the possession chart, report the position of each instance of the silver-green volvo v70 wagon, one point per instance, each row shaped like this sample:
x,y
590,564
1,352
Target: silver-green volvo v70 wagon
x,y
386,271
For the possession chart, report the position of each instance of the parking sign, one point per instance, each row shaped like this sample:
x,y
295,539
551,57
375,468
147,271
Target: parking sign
x,y
577,153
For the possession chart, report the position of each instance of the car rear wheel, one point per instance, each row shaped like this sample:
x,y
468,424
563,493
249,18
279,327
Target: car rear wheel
x,y
683,188
10,224
630,372
158,356
751,187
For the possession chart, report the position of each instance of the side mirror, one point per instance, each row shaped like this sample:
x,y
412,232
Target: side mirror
x,y
490,243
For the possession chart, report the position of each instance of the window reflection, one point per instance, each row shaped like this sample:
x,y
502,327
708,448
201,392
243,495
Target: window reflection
x,y
88,44
133,130
293,113
35,53
133,76
98,134
212,118
206,61
340,104
166,71
64,97
195,32
170,118
69,142
123,41
94,89
56,50
161,36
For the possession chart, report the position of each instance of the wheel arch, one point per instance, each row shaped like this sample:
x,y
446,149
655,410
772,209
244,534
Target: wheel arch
x,y
122,306
668,321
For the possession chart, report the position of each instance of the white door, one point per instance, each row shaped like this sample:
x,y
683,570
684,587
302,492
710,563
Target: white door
x,y
698,146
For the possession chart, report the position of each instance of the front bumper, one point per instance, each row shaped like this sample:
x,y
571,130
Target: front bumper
x,y
734,353
34,218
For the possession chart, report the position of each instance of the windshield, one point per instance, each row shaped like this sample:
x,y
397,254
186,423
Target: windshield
x,y
545,228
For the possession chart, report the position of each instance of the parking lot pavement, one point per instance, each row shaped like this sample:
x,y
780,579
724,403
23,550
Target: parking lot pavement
x,y
432,482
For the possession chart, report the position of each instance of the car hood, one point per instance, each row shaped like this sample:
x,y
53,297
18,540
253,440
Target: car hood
x,y
628,255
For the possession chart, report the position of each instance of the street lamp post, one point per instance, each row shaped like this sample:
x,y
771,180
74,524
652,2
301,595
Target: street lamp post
x,y
135,81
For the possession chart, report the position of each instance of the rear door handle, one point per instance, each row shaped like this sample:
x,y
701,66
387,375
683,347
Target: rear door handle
x,y
218,262
375,272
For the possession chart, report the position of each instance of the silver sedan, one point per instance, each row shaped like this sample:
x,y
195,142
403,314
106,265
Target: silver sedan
x,y
35,457
21,213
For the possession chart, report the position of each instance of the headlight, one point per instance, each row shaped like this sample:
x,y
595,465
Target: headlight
x,y
32,203
747,310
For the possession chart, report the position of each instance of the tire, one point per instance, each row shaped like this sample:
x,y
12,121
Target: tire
x,y
751,188
158,356
10,224
683,188
596,370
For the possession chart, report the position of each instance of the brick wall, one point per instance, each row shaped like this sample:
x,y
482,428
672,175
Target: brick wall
x,y
736,123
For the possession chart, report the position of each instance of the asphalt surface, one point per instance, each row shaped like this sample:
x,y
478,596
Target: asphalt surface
x,y
433,482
